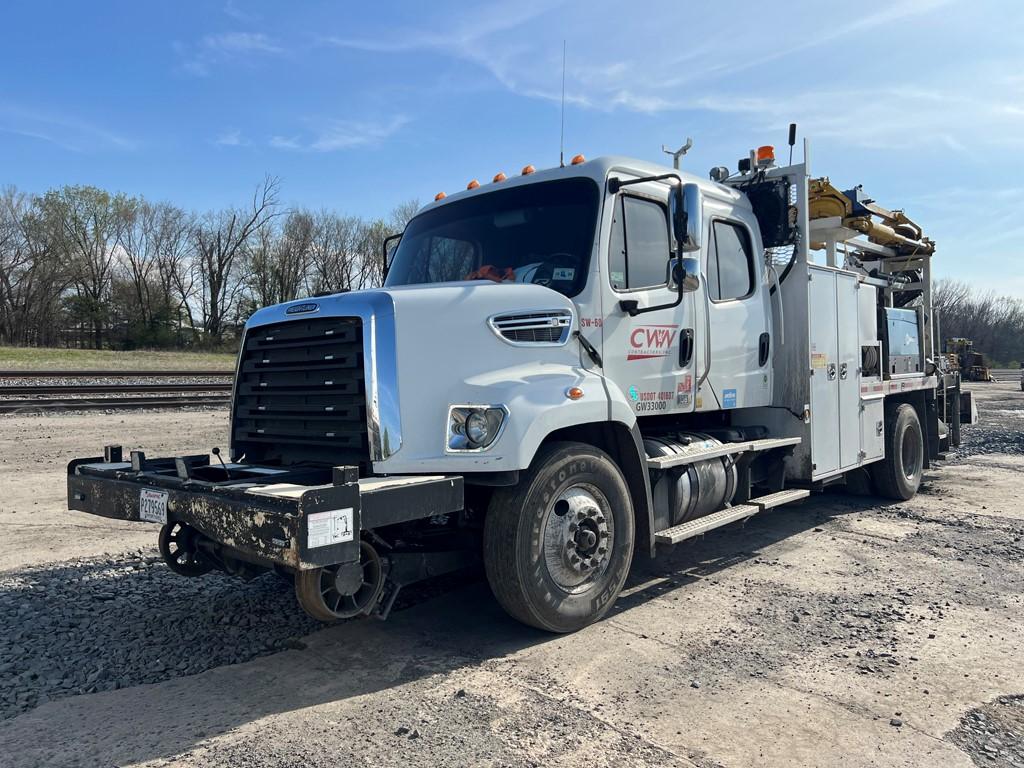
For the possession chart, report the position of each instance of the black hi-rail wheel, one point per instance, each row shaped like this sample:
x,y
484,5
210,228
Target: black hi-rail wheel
x,y
179,546
338,592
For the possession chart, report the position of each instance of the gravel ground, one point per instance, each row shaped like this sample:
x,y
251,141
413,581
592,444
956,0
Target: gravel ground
x,y
841,631
100,624
993,734
1003,431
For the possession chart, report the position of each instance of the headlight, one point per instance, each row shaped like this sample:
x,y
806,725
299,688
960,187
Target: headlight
x,y
474,427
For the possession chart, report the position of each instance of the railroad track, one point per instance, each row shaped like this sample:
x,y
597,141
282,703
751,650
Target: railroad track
x,y
24,393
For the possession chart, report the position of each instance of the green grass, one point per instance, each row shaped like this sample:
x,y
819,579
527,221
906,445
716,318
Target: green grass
x,y
44,358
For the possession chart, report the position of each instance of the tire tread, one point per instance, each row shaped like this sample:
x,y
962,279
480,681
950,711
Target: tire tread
x,y
885,473
501,527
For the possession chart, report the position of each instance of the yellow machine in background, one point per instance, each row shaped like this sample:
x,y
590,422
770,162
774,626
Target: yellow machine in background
x,y
963,358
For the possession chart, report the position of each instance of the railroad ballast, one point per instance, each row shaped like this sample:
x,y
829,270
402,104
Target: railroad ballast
x,y
563,369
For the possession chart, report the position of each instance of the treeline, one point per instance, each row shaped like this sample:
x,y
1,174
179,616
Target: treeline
x,y
80,266
994,323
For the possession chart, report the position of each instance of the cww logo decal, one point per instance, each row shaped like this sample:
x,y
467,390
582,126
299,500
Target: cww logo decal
x,y
647,341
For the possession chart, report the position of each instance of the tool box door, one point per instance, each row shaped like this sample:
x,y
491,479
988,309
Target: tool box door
x,y
824,365
848,375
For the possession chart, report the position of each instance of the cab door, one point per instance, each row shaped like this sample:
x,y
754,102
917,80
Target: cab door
x,y
738,317
650,355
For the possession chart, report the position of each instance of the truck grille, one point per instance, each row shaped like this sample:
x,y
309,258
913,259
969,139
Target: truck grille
x,y
547,327
300,394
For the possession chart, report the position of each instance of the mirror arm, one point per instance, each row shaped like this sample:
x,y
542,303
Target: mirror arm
x,y
632,307
615,183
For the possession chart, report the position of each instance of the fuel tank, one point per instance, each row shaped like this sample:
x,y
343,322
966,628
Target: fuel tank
x,y
692,490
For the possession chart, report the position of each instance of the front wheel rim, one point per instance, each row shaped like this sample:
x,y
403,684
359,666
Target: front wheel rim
x,y
578,537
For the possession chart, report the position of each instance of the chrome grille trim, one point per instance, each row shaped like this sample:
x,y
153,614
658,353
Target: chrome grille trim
x,y
531,328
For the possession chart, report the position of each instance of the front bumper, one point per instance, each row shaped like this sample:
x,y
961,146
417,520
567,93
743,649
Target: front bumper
x,y
260,513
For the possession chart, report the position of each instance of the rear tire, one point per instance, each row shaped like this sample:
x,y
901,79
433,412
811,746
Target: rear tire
x,y
558,546
898,475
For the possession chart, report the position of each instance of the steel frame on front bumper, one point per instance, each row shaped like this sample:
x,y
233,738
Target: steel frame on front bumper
x,y
266,522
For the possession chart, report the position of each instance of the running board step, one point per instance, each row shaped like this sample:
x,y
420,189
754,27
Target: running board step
x,y
702,450
779,498
684,531
702,525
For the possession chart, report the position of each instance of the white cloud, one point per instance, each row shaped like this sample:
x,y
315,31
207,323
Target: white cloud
x,y
839,76
335,135
63,130
231,138
285,142
232,9
197,59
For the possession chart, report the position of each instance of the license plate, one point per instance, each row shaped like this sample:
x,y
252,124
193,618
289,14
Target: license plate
x,y
153,506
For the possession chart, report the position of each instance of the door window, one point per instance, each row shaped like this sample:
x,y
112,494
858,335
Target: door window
x,y
730,263
638,250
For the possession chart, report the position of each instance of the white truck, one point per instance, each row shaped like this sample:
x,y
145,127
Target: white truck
x,y
563,369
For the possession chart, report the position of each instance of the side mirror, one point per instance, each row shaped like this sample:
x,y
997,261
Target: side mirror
x,y
687,219
684,274
388,247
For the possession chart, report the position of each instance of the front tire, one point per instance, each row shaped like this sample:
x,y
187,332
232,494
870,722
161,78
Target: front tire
x,y
558,545
898,475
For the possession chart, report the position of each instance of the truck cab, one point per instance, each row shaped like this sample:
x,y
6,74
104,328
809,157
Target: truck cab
x,y
562,369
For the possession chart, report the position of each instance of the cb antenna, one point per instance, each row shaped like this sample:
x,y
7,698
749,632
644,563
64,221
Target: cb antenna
x,y
561,138
678,153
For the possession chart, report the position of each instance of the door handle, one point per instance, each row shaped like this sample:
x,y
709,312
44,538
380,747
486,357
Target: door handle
x,y
831,371
842,370
763,346
685,347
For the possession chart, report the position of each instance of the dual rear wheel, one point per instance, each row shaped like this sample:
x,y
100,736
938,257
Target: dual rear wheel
x,y
898,476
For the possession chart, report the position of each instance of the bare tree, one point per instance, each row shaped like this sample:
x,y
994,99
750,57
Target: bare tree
x,y
220,240
154,249
333,252
994,323
174,253
373,260
402,214
277,259
32,277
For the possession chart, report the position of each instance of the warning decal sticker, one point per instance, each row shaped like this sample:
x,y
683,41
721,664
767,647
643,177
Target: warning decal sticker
x,y
331,527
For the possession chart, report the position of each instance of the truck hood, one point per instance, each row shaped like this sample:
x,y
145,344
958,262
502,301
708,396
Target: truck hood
x,y
428,347
479,297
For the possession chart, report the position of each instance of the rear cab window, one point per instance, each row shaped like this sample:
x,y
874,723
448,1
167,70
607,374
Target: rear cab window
x,y
730,272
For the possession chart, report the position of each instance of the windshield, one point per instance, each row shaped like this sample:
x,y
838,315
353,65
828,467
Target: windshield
x,y
536,233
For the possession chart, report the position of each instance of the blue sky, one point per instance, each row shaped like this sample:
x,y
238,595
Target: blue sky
x,y
358,106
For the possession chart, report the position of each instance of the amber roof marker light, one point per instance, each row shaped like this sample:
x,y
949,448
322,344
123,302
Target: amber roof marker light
x,y
765,155
440,196
473,184
499,176
528,169
578,160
